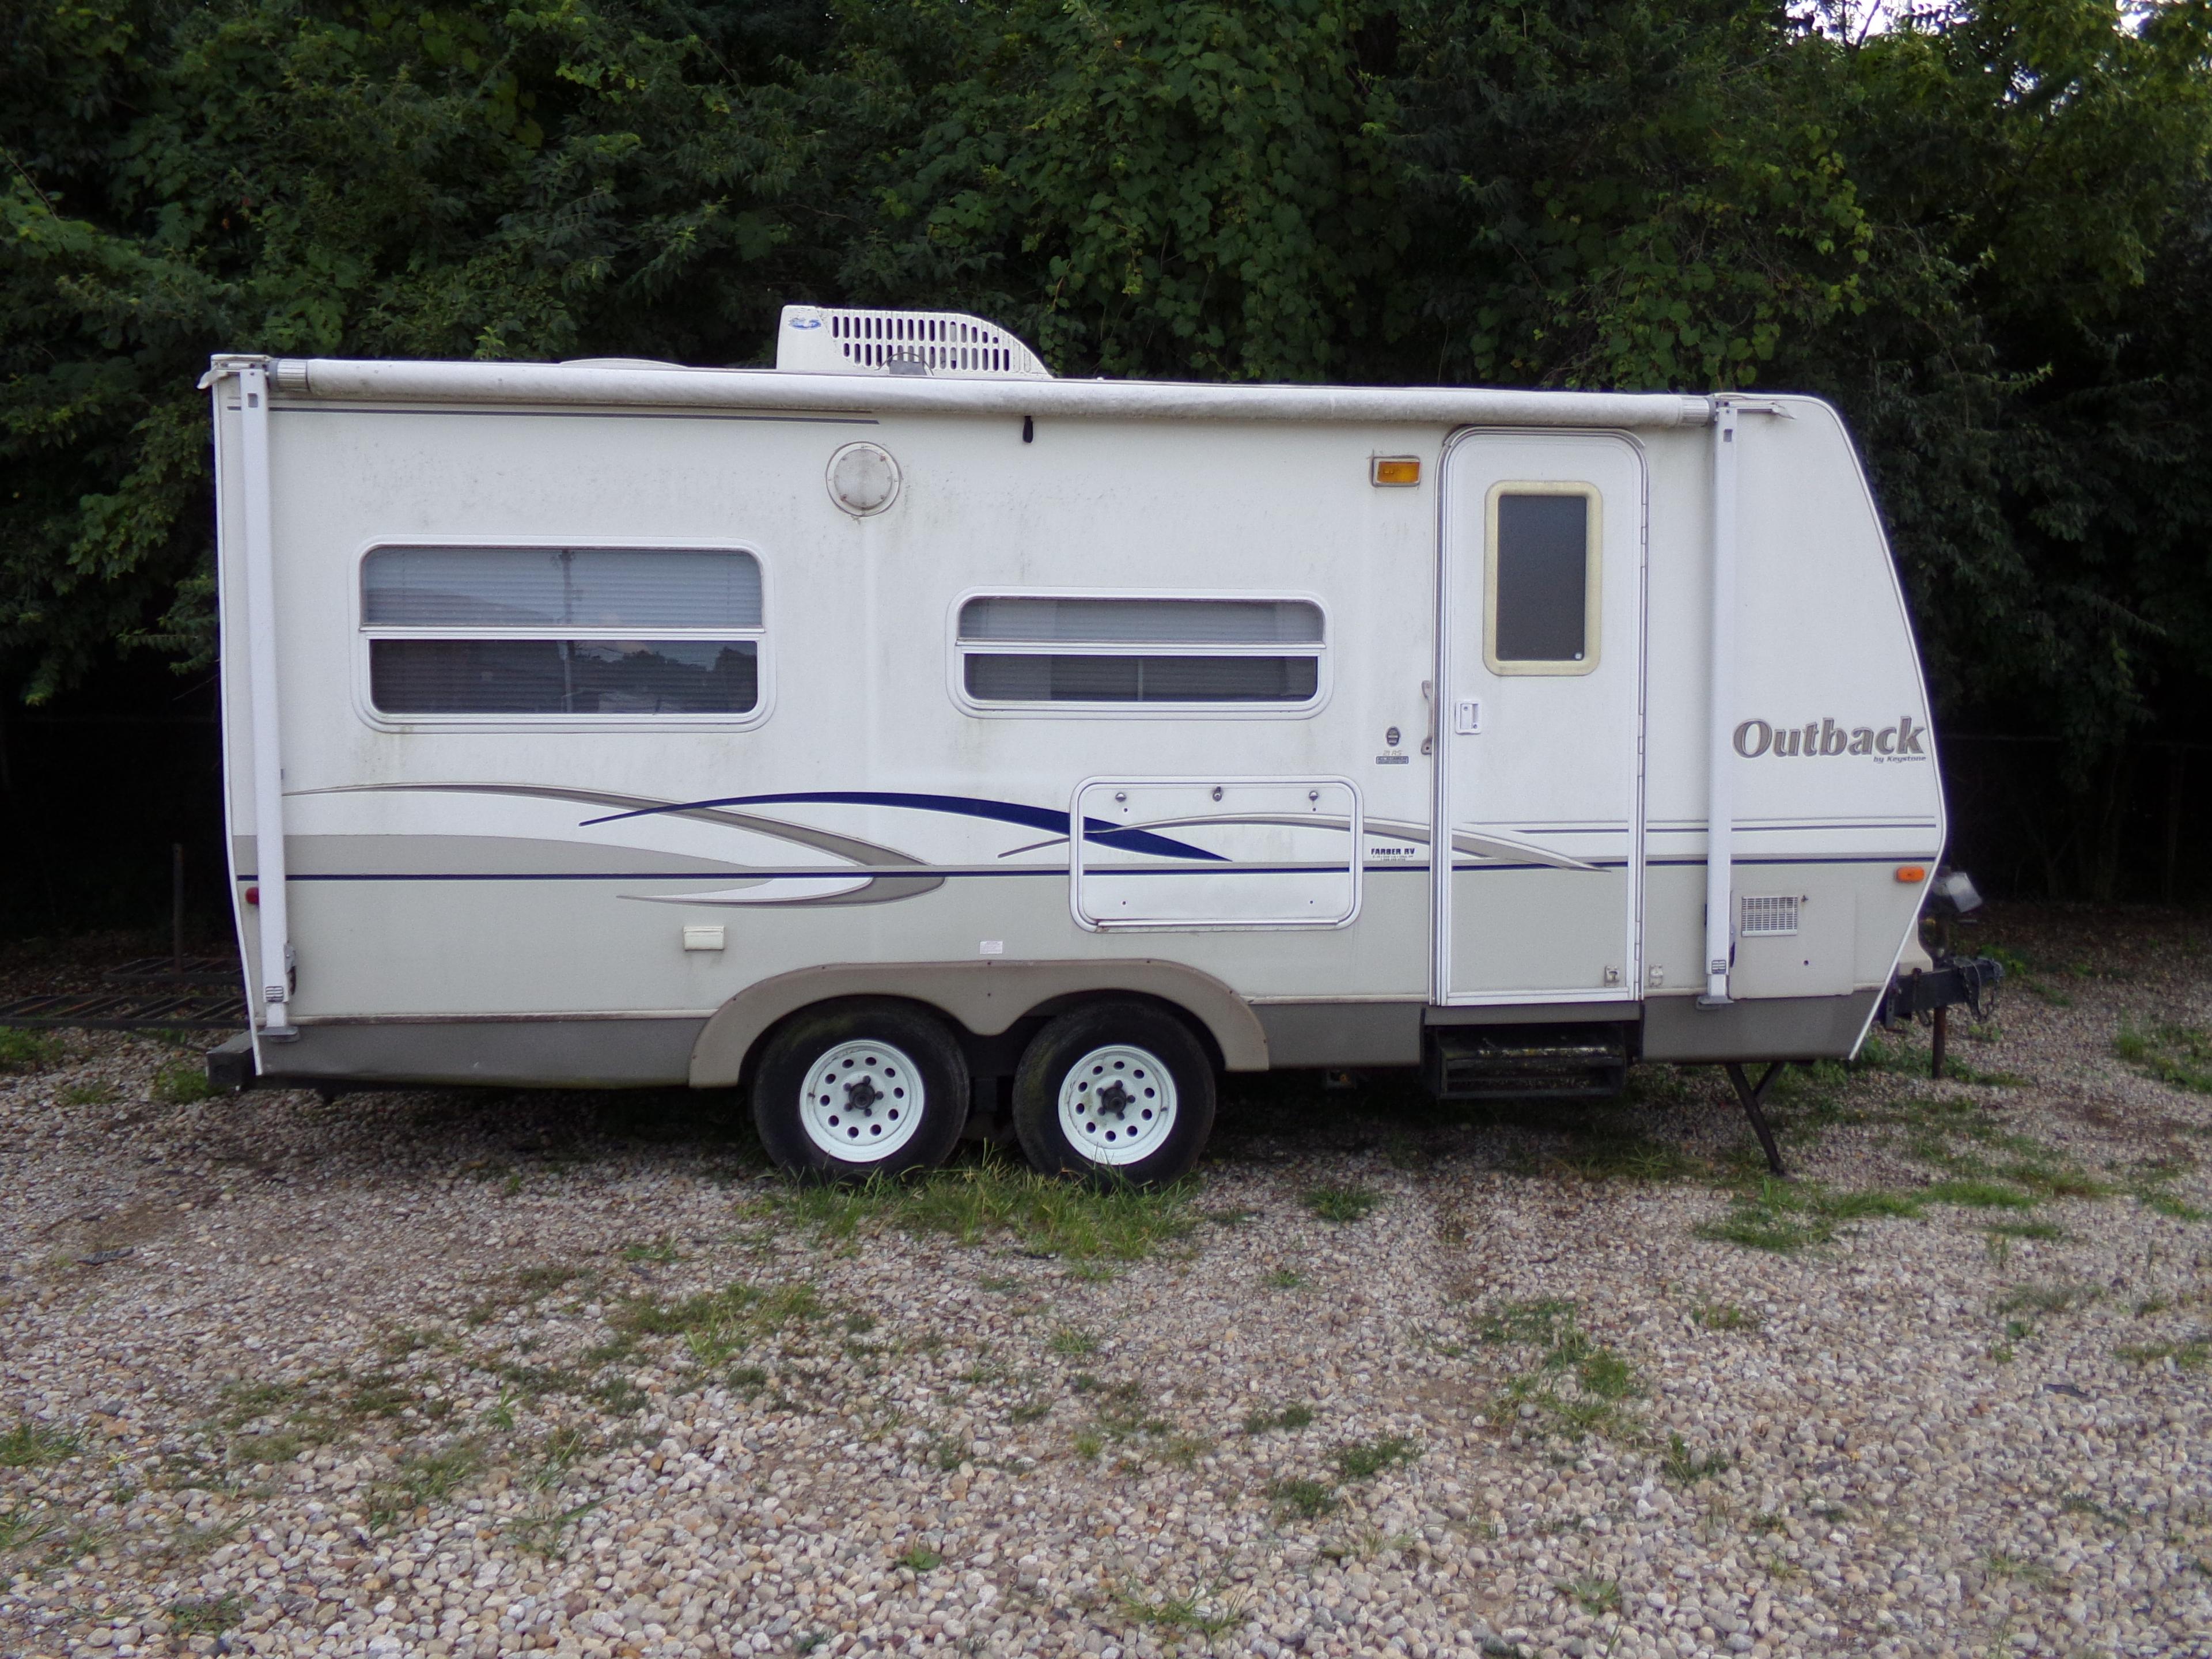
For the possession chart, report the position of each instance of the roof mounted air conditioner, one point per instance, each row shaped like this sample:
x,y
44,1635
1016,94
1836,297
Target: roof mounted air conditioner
x,y
842,340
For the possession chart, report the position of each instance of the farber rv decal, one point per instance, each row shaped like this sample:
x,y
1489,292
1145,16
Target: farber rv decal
x,y
1824,737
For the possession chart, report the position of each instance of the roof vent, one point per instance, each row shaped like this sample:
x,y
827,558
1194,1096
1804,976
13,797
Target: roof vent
x,y
839,340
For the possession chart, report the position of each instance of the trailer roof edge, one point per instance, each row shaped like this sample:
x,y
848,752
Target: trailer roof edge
x,y
351,379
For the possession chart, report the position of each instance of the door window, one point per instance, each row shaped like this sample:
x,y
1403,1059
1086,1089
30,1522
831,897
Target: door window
x,y
1540,579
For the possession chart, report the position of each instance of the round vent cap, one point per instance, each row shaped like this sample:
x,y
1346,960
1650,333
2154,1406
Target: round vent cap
x,y
864,479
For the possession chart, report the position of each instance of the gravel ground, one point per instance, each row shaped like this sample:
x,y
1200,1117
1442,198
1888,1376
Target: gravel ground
x,y
445,1373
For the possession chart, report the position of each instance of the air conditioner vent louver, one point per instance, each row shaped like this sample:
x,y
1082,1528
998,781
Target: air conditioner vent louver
x,y
842,340
1769,917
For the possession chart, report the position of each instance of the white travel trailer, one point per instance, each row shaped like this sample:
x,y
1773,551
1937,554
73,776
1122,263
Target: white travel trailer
x,y
903,729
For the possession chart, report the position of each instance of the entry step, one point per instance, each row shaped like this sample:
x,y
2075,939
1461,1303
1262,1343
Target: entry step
x,y
1521,1062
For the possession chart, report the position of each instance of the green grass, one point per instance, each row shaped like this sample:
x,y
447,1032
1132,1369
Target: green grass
x,y
1725,1316
544,1279
2149,1182
1765,1227
716,1325
1308,1499
1079,1222
1340,1204
1611,1144
2191,1355
1956,1070
1285,1279
32,1444
1121,1412
919,1560
1363,1460
427,1477
1688,1468
540,1533
27,1051
86,1094
21,1528
1176,1612
1594,1595
1576,1386
207,1618
1538,1323
559,1452
2047,1298
1784,1217
1291,1417
182,1082
1072,1344
2178,1055
2046,1230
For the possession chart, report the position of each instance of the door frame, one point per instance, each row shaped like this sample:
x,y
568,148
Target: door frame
x,y
1440,842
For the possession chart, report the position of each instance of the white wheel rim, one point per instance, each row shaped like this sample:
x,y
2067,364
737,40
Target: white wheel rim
x,y
862,1102
1117,1104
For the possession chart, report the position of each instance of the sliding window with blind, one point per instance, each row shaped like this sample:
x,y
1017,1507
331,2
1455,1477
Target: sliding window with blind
x,y
533,632
1036,651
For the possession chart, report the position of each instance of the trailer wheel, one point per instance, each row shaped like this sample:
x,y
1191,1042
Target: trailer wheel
x,y
862,1088
1119,1091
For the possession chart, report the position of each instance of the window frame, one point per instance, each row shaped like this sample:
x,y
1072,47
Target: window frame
x,y
365,634
959,649
1593,579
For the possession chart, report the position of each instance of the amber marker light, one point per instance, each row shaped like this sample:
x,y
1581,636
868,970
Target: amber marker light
x,y
1396,469
1912,873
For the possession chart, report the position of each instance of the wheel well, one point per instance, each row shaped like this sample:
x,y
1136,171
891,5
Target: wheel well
x,y
769,1033
1061,1005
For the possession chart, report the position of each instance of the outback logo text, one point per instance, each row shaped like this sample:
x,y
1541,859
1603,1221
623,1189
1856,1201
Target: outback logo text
x,y
1824,737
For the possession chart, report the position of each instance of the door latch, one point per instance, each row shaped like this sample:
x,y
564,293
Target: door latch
x,y
1466,717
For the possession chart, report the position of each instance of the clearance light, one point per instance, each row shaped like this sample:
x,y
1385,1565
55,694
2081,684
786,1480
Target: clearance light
x,y
1399,470
253,895
1912,873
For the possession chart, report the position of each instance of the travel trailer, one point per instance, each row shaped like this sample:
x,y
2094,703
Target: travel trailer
x,y
902,732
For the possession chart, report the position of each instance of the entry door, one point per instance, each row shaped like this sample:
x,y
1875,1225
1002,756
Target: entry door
x,y
1539,712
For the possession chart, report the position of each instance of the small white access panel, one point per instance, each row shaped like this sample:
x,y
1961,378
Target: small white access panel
x,y
1214,853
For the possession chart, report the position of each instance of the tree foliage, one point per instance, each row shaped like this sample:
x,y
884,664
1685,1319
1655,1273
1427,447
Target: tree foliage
x,y
1986,230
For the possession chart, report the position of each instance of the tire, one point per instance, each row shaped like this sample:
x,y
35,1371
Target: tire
x,y
1120,1092
836,1090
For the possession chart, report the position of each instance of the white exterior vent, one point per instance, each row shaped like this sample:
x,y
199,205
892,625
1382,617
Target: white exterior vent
x,y
1769,917
838,340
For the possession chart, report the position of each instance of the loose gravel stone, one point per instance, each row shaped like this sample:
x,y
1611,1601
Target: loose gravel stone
x,y
444,1374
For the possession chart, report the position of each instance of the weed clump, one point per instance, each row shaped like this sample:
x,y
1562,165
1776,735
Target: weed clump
x,y
1574,1387
1363,1460
23,1050
205,1618
1687,1466
182,1082
2191,1355
1726,1316
1341,1204
32,1444
1307,1498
